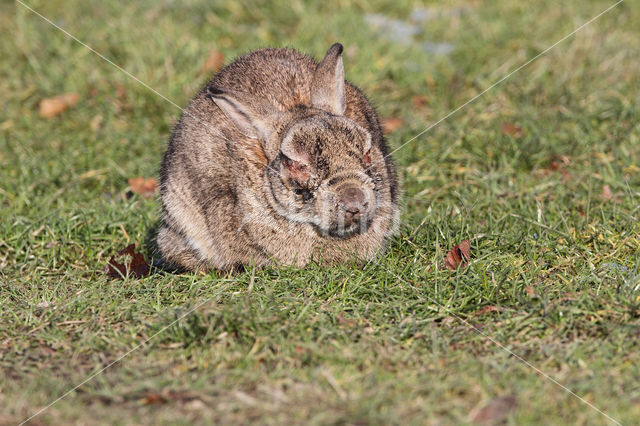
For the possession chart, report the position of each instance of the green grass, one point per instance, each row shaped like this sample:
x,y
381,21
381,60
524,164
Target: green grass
x,y
393,342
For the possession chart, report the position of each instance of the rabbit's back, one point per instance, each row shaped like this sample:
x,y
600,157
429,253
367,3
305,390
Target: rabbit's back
x,y
283,76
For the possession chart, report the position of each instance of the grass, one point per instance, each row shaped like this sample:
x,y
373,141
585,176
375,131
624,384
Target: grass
x,y
554,275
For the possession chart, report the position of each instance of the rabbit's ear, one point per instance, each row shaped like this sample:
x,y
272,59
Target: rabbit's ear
x,y
327,88
252,117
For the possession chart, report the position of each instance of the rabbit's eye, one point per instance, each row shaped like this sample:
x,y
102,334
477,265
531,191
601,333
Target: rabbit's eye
x,y
303,193
367,159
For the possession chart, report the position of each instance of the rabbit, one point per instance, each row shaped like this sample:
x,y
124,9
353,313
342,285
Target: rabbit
x,y
277,161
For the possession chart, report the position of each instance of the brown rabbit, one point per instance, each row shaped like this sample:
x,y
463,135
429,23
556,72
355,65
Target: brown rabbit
x,y
277,160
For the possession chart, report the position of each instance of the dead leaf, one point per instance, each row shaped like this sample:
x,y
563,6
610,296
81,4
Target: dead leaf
x,y
345,321
145,187
419,101
487,309
529,290
512,130
134,263
121,91
214,62
46,351
96,123
496,410
459,255
390,125
153,398
559,164
164,396
51,107
606,194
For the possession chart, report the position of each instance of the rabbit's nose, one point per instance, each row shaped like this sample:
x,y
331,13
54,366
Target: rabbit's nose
x,y
352,202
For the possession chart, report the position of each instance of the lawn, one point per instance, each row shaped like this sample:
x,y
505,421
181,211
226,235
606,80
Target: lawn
x,y
541,173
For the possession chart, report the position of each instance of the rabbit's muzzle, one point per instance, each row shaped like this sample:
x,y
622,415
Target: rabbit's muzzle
x,y
352,203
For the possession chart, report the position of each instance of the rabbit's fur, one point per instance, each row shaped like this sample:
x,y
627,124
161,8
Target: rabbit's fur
x,y
277,160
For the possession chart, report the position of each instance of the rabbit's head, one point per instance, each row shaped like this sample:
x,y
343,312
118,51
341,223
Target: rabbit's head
x,y
323,170
322,175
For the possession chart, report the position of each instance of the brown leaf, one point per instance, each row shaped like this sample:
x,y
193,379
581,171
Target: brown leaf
x,y
419,101
121,92
459,255
96,123
487,309
134,263
47,350
512,130
559,164
153,398
51,107
530,291
164,396
390,125
496,410
214,62
345,321
145,187
606,193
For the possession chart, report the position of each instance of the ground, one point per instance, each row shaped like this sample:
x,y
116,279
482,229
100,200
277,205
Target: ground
x,y
541,173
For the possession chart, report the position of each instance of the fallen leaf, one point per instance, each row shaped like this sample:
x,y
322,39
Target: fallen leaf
x,y
121,91
51,107
344,321
529,290
145,187
486,309
459,255
606,194
214,61
512,130
163,396
390,125
135,264
46,350
419,101
96,123
559,164
153,398
195,405
44,305
496,410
